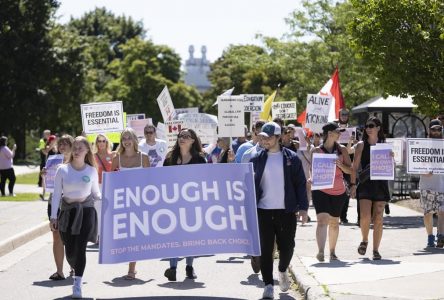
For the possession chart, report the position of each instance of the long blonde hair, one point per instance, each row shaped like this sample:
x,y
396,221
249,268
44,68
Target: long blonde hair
x,y
133,136
89,157
108,144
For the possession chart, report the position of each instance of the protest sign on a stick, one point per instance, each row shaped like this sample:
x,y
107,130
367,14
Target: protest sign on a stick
x,y
253,102
285,110
166,105
51,166
101,117
425,156
205,126
381,162
188,210
317,111
323,171
231,117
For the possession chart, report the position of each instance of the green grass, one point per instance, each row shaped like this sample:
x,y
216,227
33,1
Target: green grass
x,y
21,197
30,178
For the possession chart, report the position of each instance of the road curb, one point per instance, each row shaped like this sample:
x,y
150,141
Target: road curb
x,y
307,284
22,238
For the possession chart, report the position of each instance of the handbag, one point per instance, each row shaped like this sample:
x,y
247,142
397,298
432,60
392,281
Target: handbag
x,y
364,174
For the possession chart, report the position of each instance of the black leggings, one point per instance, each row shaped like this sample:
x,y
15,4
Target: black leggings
x,y
75,245
10,175
276,223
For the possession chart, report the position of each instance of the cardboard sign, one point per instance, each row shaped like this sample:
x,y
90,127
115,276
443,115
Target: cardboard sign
x,y
345,136
100,117
425,156
253,102
318,108
166,105
172,130
231,116
285,110
398,149
323,171
382,166
205,126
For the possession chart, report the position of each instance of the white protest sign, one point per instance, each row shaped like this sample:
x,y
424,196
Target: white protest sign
x,y
398,149
166,105
323,171
172,130
299,132
161,131
204,125
382,166
254,117
186,110
101,117
253,102
231,116
139,125
285,110
345,136
130,117
318,108
425,156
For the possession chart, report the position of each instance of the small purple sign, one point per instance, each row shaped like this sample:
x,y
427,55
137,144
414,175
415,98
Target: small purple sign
x,y
51,166
381,162
190,210
323,171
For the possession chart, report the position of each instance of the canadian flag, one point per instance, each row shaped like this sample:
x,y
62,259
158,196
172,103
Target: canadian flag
x,y
174,128
331,88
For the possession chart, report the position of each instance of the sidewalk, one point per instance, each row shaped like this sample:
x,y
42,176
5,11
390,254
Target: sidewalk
x,y
407,270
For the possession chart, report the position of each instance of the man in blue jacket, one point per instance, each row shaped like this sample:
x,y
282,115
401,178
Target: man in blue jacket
x,y
281,199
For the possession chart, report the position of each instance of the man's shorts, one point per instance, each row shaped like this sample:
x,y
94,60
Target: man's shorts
x,y
432,201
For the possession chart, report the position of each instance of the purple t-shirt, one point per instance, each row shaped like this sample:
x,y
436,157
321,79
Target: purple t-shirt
x,y
5,158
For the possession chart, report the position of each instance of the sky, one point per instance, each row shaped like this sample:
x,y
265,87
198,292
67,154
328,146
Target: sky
x,y
180,23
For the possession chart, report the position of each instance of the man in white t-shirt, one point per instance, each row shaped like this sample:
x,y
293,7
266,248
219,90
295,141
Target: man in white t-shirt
x,y
156,149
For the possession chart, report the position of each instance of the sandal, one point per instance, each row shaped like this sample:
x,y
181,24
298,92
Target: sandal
x,y
362,248
71,273
320,257
56,276
130,275
333,256
376,255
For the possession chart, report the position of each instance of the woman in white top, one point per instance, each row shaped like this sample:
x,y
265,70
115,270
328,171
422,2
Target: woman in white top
x,y
77,221
129,157
6,169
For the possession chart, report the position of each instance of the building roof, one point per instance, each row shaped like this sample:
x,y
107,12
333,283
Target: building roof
x,y
389,104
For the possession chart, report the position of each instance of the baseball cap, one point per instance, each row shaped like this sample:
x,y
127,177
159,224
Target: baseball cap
x,y
332,126
270,129
434,123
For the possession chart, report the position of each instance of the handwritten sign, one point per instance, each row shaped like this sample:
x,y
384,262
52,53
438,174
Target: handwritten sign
x,y
318,108
166,105
231,116
285,110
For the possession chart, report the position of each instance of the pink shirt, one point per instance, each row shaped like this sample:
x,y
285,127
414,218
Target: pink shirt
x,y
5,158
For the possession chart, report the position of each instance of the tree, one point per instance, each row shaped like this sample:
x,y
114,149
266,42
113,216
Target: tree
x,y
403,43
26,63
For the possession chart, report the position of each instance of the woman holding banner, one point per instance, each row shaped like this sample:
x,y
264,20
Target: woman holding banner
x,y
186,151
371,194
129,157
75,189
328,202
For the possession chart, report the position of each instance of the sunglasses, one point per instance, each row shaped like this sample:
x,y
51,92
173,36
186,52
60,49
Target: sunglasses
x,y
436,129
370,126
101,141
184,136
149,132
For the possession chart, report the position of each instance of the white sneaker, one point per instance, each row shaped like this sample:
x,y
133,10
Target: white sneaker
x,y
268,292
76,292
284,281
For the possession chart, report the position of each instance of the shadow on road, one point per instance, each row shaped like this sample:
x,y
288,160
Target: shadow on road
x,y
53,283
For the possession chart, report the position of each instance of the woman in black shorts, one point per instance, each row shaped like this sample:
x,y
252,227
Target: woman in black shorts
x,y
371,194
328,203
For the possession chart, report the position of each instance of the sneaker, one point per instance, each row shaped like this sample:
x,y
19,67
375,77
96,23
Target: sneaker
x,y
76,292
170,273
190,272
440,241
256,264
268,292
284,281
431,241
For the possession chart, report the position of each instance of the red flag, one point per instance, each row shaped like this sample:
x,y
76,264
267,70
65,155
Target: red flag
x,y
331,88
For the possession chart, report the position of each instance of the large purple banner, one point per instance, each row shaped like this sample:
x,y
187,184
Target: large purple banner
x,y
176,211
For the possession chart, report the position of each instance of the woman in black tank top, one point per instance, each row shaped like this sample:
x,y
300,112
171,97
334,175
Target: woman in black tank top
x,y
372,195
